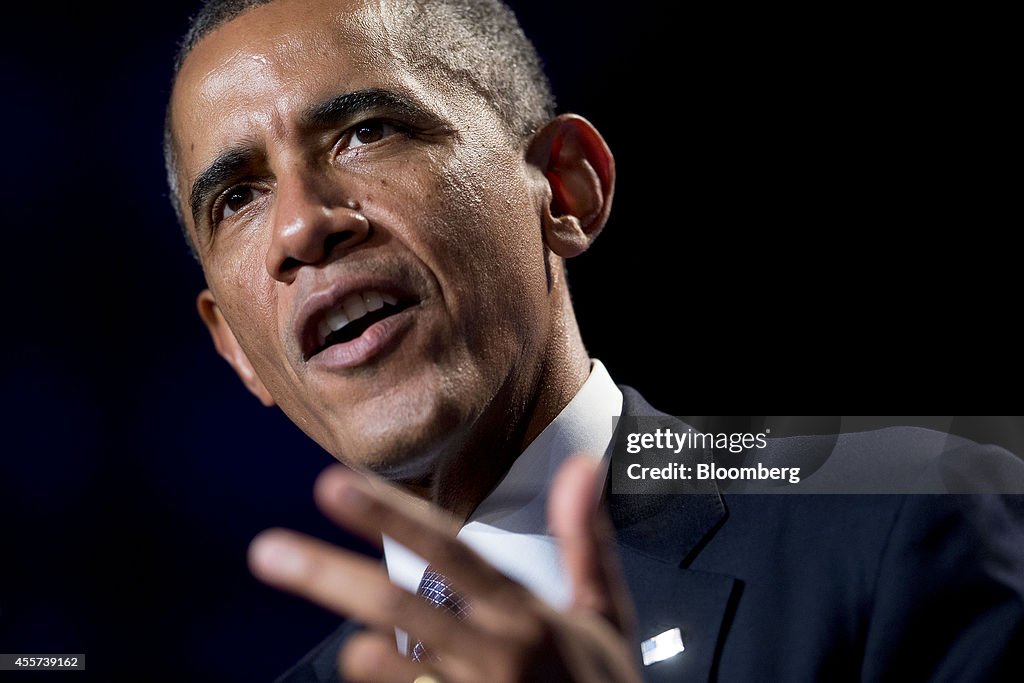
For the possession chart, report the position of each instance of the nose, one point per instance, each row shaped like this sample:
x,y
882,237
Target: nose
x,y
311,222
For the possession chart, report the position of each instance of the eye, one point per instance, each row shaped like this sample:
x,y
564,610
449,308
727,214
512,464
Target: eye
x,y
233,201
369,132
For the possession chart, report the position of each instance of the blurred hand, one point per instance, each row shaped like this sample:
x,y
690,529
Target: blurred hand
x,y
509,635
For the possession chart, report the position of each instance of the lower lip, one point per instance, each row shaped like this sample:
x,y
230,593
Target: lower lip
x,y
376,339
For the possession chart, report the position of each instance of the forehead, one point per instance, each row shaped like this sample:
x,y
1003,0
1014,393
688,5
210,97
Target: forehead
x,y
255,73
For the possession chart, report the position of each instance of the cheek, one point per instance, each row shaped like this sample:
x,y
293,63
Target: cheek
x,y
247,297
240,263
496,235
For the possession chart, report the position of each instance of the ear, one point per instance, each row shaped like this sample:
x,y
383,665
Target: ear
x,y
580,172
229,348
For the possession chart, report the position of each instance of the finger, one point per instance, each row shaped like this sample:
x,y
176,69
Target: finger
x,y
586,538
348,499
355,586
373,658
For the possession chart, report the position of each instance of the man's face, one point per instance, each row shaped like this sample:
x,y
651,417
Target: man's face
x,y
335,179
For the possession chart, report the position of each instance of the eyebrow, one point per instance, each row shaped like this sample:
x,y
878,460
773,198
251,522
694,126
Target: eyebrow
x,y
330,113
349,106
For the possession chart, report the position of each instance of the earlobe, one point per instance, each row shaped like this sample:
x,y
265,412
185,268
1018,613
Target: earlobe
x,y
228,347
580,173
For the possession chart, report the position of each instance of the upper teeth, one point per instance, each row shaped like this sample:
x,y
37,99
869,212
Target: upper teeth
x,y
352,308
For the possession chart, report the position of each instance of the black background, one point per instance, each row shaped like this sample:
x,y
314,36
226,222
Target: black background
x,y
807,220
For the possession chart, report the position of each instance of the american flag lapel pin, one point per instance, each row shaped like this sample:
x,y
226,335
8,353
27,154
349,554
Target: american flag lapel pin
x,y
662,646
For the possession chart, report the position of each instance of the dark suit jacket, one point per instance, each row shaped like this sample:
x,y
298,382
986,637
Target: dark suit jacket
x,y
820,587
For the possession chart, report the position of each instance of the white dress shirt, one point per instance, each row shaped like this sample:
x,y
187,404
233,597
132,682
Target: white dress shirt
x,y
509,528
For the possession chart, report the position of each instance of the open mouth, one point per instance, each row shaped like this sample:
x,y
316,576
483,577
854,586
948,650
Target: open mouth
x,y
356,313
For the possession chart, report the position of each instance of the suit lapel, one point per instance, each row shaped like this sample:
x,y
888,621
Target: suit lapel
x,y
658,535
667,597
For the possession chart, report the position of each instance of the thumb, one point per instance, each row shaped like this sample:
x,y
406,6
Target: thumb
x,y
586,538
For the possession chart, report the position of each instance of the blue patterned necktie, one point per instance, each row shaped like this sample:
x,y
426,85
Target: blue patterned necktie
x,y
435,589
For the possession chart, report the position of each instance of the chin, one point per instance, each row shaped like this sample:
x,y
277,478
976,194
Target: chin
x,y
408,463
403,446
415,470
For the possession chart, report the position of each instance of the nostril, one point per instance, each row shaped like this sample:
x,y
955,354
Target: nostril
x,y
290,264
297,244
336,238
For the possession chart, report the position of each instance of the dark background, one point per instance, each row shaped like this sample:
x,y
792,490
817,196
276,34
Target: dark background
x,y
807,220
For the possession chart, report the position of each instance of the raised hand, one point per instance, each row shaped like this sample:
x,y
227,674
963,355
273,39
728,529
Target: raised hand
x,y
509,634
